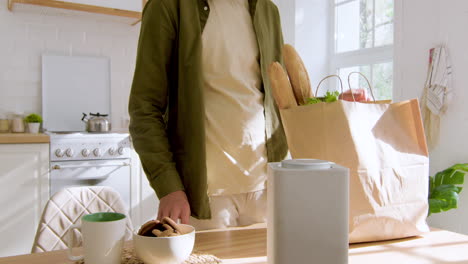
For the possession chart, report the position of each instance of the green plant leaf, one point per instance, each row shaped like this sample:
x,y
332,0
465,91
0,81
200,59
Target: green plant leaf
x,y
443,192
461,166
445,198
431,184
452,175
435,206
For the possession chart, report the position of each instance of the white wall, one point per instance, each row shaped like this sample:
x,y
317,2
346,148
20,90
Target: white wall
x,y
287,9
424,24
305,25
312,38
416,30
30,30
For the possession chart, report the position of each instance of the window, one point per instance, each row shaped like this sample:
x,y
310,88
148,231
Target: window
x,y
363,42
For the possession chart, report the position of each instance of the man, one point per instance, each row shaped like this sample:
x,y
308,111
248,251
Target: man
x,y
203,119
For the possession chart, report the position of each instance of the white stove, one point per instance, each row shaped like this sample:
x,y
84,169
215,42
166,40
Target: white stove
x,y
91,159
78,158
67,146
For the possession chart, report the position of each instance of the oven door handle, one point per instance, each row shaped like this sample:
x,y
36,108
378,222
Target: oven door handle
x,y
61,167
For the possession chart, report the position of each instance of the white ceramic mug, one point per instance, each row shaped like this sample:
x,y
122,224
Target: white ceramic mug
x,y
103,236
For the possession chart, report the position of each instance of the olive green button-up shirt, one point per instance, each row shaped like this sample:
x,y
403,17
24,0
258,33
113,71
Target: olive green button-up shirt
x,y
166,102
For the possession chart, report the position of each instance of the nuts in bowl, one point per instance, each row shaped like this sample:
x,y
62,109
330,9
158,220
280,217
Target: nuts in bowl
x,y
164,242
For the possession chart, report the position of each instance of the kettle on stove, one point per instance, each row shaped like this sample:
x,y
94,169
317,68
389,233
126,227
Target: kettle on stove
x,y
96,123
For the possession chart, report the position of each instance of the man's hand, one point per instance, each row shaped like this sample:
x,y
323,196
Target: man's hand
x,y
176,206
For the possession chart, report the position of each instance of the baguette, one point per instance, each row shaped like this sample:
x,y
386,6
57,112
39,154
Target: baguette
x,y
297,74
281,87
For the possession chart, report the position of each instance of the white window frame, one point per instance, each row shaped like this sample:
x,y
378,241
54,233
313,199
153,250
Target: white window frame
x,y
360,57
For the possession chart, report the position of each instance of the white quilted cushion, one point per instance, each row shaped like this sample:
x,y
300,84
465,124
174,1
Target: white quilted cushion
x,y
66,208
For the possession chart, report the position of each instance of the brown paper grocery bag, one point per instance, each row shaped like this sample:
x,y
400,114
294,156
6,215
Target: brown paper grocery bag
x,y
384,147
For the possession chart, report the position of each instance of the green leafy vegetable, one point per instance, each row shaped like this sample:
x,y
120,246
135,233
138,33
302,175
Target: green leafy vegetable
x,y
313,100
443,192
331,96
328,98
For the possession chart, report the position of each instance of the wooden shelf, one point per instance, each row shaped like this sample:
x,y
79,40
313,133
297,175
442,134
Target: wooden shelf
x,y
136,22
23,138
79,7
139,20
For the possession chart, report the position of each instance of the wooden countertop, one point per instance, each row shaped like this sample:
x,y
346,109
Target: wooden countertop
x,y
248,246
23,138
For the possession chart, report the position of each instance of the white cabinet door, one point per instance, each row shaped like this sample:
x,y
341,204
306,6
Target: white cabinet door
x,y
145,203
130,5
24,181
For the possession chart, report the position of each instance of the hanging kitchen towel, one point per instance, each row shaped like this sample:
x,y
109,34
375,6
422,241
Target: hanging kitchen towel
x,y
437,94
384,147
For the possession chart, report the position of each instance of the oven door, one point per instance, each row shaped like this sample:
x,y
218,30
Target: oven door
x,y
113,173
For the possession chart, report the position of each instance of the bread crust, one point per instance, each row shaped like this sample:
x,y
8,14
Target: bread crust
x,y
297,74
281,87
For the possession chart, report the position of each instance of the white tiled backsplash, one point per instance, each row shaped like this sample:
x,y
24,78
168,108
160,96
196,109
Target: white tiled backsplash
x,y
29,31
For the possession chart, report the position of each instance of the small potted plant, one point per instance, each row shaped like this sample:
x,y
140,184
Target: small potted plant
x,y
34,122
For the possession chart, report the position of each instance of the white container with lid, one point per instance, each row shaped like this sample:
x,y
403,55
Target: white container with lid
x,y
4,123
17,123
307,212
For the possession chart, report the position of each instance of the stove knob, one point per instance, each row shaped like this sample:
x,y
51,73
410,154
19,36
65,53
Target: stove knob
x,y
85,152
111,151
97,152
59,153
69,152
121,150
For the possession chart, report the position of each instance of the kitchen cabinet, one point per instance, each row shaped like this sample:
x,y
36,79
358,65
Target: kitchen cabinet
x,y
125,8
24,181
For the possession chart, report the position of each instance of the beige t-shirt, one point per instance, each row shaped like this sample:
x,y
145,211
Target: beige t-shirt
x,y
234,113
